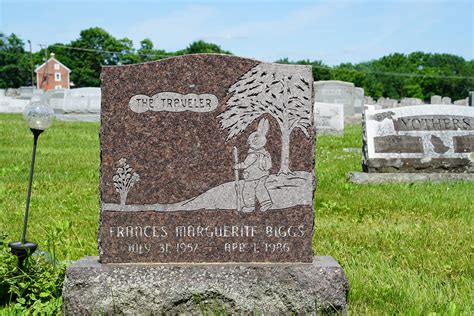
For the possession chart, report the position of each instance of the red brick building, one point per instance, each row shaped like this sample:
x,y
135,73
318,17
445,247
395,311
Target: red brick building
x,y
52,75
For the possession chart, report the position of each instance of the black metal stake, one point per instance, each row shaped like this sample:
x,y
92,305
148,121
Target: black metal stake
x,y
23,249
36,133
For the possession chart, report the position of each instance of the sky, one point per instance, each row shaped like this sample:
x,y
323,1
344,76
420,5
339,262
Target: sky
x,y
331,31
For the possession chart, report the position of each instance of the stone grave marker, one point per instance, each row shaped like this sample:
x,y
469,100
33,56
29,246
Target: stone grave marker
x,y
26,92
461,102
55,99
369,100
438,138
338,92
169,148
82,100
471,98
206,159
446,100
436,99
329,118
359,100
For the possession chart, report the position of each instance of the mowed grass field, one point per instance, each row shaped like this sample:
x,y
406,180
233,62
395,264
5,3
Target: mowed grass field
x,y
406,248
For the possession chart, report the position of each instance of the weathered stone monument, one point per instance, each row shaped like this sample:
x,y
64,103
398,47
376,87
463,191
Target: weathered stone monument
x,y
338,92
446,100
369,100
329,118
436,99
206,159
410,101
471,99
359,100
82,100
432,139
462,102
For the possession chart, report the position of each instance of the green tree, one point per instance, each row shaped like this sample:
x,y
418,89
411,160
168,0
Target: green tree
x,y
202,47
146,52
14,65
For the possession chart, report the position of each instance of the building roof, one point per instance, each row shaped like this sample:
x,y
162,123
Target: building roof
x,y
52,59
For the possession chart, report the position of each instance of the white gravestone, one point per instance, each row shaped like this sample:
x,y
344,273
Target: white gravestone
x,y
82,100
369,100
446,100
436,99
329,118
436,138
359,100
461,102
338,92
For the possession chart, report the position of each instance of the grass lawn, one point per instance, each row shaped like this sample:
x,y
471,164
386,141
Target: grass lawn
x,y
406,249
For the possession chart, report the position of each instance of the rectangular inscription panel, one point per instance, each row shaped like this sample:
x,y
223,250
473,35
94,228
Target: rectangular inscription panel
x,y
398,144
463,144
270,236
197,166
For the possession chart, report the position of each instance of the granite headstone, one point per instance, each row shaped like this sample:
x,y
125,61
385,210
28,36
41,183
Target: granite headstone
x,y
435,138
206,158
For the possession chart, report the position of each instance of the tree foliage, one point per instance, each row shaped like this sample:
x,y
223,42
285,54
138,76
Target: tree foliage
x,y
418,74
14,65
397,75
95,48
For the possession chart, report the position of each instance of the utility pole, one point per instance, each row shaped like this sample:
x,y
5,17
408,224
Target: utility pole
x,y
45,77
31,66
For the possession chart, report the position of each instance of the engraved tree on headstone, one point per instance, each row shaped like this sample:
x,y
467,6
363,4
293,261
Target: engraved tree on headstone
x,y
269,89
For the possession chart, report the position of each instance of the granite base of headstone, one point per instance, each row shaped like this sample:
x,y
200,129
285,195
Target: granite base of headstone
x,y
146,289
381,178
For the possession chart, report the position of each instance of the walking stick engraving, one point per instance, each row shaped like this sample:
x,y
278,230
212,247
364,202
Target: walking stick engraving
x,y
236,173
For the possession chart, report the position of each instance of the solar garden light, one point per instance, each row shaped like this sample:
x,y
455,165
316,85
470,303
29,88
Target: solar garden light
x,y
39,117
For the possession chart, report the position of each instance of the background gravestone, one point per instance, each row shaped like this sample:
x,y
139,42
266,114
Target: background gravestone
x,y
446,100
338,92
82,100
436,99
329,118
437,138
461,102
359,100
167,184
